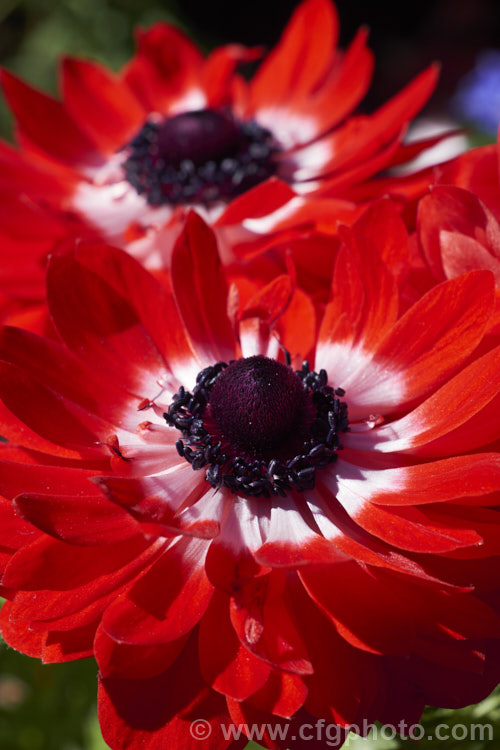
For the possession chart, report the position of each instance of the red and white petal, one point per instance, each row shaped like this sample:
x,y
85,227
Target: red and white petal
x,y
291,537
151,302
230,560
361,138
165,72
423,348
294,70
458,417
434,482
164,503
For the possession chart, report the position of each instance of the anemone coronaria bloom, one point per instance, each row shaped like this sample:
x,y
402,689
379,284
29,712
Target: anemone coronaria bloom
x,y
123,154
239,539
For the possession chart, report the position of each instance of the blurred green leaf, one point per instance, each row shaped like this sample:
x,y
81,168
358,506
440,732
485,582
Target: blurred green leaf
x,y
47,707
34,34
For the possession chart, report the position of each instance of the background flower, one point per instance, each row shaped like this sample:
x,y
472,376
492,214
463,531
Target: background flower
x,y
113,158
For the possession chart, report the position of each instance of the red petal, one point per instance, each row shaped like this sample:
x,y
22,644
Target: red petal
x,y
20,638
19,169
271,301
22,476
363,304
197,274
44,122
126,661
382,223
225,664
74,644
347,691
452,687
344,88
82,520
167,602
411,529
55,419
58,370
219,68
158,713
298,64
389,629
262,620
282,695
73,607
165,69
279,734
39,565
477,171
101,103
446,218
101,326
298,326
399,110
14,532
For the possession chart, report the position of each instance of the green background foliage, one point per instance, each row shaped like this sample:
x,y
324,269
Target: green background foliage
x,y
35,33
52,707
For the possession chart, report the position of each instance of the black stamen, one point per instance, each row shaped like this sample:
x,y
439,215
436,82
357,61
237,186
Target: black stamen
x,y
199,157
256,476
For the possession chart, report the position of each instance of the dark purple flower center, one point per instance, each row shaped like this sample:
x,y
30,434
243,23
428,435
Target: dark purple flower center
x,y
202,156
260,406
259,427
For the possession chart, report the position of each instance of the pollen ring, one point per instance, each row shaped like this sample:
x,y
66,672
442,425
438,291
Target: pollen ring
x,y
204,444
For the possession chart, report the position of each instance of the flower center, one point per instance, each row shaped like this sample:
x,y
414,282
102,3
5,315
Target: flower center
x,y
199,157
260,407
259,427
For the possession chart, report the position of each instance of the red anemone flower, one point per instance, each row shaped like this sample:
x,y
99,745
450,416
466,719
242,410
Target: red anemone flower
x,y
123,155
240,539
